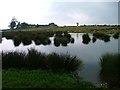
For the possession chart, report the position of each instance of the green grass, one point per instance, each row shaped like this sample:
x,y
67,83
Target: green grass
x,y
110,71
13,78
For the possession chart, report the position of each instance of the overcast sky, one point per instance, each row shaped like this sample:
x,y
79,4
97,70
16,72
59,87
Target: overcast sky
x,y
61,12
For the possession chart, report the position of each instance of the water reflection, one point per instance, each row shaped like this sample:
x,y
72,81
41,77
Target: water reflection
x,y
89,53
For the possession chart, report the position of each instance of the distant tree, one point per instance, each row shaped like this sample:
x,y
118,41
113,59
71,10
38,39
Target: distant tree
x,y
13,23
24,25
18,25
77,23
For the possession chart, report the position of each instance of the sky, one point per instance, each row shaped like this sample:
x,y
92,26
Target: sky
x,y
61,12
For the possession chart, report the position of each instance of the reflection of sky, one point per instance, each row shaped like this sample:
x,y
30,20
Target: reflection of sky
x,y
90,53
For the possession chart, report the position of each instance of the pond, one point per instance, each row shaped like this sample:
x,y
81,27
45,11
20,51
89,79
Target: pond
x,y
89,52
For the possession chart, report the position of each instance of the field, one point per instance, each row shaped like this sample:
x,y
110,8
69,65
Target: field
x,y
82,29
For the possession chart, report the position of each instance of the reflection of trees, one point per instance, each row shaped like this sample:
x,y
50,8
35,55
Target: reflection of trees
x,y
86,39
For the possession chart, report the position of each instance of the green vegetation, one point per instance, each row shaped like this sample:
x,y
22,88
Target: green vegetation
x,y
37,60
14,78
110,72
82,29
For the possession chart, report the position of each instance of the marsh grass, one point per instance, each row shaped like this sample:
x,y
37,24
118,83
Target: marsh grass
x,y
63,62
110,72
102,36
85,39
27,36
36,60
63,38
116,35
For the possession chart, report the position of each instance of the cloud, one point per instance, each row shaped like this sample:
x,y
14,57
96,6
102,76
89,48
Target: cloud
x,y
80,17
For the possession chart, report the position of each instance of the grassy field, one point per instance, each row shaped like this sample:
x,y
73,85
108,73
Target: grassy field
x,y
14,78
82,29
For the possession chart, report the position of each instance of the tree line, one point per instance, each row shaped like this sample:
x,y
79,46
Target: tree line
x,y
14,24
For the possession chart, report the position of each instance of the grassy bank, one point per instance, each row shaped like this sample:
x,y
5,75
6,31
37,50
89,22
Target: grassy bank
x,y
82,29
110,71
13,78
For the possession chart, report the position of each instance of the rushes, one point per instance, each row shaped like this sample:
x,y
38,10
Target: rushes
x,y
37,60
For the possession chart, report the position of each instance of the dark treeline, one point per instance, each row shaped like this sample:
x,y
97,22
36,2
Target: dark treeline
x,y
26,25
101,25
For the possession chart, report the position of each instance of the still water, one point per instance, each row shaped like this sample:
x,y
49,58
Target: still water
x,y
88,53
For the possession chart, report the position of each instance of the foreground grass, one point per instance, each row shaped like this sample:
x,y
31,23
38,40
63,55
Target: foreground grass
x,y
110,71
14,78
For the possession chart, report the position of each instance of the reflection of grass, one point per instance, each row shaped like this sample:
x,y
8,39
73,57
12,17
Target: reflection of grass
x,y
110,69
36,60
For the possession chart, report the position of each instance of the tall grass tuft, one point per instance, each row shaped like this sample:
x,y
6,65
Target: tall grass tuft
x,y
37,60
63,62
13,60
110,65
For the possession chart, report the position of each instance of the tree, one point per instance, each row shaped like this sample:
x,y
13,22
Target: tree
x,y
77,23
13,23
